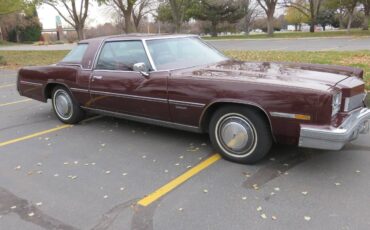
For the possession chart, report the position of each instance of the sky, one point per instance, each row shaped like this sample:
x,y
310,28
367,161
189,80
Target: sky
x,y
97,15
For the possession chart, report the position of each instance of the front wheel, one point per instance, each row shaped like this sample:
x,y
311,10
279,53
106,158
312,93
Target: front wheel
x,y
65,107
240,134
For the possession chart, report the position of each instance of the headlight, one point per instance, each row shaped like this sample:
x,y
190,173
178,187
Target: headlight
x,y
337,100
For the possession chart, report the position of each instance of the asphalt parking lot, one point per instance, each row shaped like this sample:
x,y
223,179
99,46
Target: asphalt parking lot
x,y
107,173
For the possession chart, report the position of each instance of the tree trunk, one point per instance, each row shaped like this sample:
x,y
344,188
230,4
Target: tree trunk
x,y
270,25
1,35
214,29
177,27
350,17
80,32
129,27
313,23
365,25
323,27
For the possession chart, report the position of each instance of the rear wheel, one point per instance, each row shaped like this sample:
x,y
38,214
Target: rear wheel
x,y
240,134
65,106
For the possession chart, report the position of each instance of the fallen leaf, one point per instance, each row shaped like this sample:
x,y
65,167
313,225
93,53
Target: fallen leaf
x,y
305,193
337,183
31,214
263,215
205,190
107,172
18,167
124,174
273,217
244,198
277,189
13,207
180,209
259,208
307,218
39,204
105,196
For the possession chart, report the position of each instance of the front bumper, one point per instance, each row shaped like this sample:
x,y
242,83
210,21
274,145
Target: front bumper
x,y
332,138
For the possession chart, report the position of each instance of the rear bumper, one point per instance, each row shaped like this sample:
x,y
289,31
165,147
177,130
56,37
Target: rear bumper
x,y
332,138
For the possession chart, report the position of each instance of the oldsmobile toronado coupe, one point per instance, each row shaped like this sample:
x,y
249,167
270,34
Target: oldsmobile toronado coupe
x,y
179,81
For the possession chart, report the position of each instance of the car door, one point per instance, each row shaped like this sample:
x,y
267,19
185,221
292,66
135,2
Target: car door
x,y
116,87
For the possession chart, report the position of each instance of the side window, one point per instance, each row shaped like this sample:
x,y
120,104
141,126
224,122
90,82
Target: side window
x,y
122,55
76,55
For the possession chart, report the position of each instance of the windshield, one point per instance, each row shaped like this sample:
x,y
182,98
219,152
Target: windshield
x,y
178,53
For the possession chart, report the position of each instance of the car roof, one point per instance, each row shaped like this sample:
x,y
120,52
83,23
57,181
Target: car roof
x,y
137,37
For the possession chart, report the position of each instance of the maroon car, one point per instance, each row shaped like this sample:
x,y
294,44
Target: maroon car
x,y
182,82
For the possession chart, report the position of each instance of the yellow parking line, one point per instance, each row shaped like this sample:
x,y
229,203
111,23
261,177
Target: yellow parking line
x,y
178,181
14,102
7,85
34,135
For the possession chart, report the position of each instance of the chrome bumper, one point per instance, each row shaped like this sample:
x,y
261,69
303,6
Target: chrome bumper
x,y
335,138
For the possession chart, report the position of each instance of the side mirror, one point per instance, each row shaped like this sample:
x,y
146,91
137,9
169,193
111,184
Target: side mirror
x,y
142,68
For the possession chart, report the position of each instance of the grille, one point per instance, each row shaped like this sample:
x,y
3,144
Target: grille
x,y
354,102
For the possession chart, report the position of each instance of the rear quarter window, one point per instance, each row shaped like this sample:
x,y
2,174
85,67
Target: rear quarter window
x,y
76,55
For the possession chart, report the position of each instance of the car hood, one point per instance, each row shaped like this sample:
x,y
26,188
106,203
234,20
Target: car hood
x,y
312,76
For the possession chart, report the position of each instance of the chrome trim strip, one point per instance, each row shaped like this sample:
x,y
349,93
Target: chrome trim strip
x,y
105,41
185,103
79,90
284,115
30,83
148,55
147,120
154,99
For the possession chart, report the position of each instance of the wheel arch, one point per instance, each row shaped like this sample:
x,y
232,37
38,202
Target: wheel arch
x,y
212,107
48,89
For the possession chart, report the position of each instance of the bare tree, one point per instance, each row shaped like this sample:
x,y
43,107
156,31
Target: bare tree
x,y
365,25
141,9
310,8
126,8
269,7
76,15
251,13
350,6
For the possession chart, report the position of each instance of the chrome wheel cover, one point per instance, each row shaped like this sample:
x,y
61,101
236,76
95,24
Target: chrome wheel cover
x,y
236,135
63,104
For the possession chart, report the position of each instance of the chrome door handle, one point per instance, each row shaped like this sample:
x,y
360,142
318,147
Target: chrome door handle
x,y
98,77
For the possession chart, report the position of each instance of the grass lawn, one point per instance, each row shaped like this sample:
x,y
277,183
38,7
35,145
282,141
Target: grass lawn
x,y
16,59
338,33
